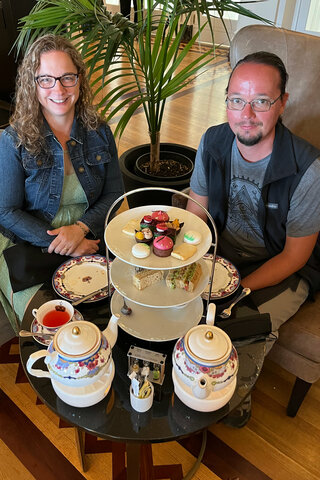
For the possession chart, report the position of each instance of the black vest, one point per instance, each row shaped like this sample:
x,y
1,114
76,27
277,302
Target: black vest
x,y
290,158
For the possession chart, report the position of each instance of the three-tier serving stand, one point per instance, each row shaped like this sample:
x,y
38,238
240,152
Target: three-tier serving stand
x,y
176,318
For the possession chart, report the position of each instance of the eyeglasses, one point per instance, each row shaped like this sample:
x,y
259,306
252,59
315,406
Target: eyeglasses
x,y
66,80
257,105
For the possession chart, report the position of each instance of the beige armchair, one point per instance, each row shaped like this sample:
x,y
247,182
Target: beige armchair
x,y
298,347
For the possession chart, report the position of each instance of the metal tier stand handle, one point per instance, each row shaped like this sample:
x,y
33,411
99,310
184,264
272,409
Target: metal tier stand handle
x,y
165,189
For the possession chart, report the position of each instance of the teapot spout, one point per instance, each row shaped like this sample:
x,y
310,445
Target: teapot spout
x,y
201,388
111,332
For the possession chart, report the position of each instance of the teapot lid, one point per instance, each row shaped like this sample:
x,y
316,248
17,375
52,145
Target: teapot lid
x,y
208,343
77,339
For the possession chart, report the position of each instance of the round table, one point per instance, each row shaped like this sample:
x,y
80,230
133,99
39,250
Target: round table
x,y
113,418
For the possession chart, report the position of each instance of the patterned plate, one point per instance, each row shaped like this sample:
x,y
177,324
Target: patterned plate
x,y
226,278
79,276
38,329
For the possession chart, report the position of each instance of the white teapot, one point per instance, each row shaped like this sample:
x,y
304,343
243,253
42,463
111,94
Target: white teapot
x,y
205,366
79,362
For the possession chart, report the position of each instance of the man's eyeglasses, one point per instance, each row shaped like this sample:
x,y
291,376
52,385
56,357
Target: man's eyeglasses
x,y
66,80
257,105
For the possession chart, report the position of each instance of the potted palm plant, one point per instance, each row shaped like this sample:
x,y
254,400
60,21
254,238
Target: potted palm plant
x,y
134,66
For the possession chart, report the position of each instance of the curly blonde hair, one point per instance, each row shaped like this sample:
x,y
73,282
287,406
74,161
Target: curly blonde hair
x,y
27,119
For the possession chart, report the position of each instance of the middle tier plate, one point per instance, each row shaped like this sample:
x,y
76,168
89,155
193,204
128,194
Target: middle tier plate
x,y
157,295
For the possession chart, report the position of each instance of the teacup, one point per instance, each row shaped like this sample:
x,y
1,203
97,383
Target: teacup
x,y
53,314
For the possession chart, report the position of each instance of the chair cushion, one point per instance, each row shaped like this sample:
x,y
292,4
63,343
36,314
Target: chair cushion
x,y
301,334
296,364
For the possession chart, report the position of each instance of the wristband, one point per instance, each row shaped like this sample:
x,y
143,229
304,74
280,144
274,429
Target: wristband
x,y
85,232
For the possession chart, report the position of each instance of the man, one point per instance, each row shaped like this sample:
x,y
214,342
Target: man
x,y
261,185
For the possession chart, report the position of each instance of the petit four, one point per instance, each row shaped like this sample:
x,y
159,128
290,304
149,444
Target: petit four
x,y
184,251
160,216
162,246
144,278
141,250
185,277
176,225
192,237
161,228
147,222
144,235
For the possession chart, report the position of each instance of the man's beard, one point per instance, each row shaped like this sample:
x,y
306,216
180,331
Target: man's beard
x,y
249,142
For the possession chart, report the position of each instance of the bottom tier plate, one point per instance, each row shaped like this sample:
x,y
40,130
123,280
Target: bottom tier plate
x,y
157,324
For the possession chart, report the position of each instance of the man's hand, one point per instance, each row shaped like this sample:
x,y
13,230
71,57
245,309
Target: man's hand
x,y
86,247
67,239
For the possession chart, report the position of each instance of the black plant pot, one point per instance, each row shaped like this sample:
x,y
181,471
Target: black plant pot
x,y
181,159
133,180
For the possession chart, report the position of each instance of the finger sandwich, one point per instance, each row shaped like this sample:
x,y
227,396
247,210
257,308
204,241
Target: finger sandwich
x,y
143,278
184,277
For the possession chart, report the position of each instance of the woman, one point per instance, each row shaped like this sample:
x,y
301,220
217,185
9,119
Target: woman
x,y
59,164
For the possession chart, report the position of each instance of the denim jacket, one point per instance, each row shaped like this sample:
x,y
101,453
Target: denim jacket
x,y
31,185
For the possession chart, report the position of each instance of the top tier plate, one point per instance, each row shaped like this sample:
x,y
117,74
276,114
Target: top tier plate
x,y
120,244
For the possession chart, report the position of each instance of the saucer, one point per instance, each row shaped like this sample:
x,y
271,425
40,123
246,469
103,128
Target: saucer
x,y
37,329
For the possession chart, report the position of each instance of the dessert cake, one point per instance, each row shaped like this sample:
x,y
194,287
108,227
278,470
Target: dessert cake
x,y
162,246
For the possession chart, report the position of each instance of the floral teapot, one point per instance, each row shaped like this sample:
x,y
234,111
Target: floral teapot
x,y
205,366
79,361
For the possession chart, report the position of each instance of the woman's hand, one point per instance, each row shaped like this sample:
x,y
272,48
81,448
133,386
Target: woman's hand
x,y
86,247
67,239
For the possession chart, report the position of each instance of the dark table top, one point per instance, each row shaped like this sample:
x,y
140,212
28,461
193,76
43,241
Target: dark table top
x,y
113,418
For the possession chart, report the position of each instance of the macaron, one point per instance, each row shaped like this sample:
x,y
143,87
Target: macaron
x,y
141,250
192,237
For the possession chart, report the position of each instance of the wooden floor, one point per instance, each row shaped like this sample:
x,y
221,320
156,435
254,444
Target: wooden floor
x,y
35,444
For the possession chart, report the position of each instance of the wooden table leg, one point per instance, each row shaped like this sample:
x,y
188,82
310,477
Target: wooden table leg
x,y
79,434
133,461
146,462
139,461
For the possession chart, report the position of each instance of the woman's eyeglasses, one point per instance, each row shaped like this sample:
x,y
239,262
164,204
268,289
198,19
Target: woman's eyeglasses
x,y
66,80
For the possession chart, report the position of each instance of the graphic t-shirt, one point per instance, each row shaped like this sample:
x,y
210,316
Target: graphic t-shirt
x,y
242,240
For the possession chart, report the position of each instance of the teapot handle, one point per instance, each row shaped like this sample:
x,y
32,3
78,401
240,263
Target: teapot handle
x,y
211,313
33,358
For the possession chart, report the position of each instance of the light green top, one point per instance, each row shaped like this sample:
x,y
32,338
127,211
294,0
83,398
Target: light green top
x,y
73,202
72,206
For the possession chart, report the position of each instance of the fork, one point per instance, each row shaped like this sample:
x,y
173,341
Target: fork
x,y
227,311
